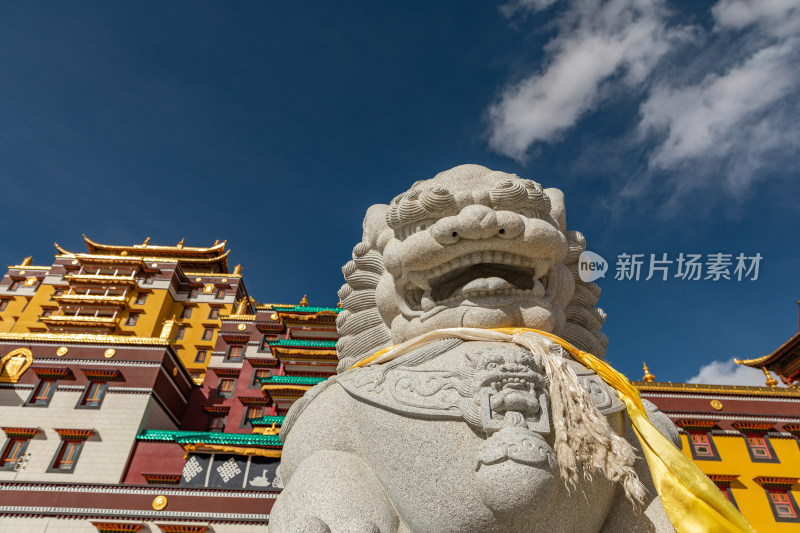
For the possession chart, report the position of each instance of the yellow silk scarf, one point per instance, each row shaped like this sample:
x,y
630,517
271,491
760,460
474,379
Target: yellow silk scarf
x,y
691,501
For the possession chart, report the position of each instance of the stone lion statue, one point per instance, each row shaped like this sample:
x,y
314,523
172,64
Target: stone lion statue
x,y
462,433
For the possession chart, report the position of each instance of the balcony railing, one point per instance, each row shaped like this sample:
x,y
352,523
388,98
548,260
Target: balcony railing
x,y
91,299
100,279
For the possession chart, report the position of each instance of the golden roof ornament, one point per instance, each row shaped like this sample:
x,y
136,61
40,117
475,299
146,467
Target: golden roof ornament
x,y
304,301
339,305
27,261
242,308
146,242
648,377
237,270
771,382
180,244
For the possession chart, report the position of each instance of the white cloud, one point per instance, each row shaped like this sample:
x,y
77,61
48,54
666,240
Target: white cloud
x,y
729,373
711,118
778,17
596,41
719,110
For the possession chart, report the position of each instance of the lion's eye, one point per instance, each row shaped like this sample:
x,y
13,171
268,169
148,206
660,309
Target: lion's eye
x,y
491,366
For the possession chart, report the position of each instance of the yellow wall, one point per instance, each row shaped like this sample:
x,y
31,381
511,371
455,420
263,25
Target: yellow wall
x,y
749,495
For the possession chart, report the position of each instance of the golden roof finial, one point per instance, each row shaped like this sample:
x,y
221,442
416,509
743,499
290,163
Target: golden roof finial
x,y
242,308
304,301
648,377
216,242
180,244
339,305
146,241
237,270
27,261
771,382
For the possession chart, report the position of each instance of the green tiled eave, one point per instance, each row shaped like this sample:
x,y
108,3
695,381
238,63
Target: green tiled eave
x,y
206,437
267,420
301,309
290,380
300,342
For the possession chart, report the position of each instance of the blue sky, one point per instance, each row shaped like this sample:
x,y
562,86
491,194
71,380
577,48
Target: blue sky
x,y
671,127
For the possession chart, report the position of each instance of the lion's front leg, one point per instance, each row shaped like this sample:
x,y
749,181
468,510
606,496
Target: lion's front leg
x,y
333,492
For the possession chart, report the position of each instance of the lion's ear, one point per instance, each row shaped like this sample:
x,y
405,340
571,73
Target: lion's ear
x,y
374,224
557,209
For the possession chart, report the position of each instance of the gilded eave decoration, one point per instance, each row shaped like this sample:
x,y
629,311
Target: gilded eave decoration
x,y
14,364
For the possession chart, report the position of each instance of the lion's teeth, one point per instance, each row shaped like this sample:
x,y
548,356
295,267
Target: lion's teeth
x,y
427,302
538,288
542,266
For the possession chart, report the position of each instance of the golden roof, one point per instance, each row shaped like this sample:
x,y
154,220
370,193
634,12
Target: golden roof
x,y
699,388
178,253
785,348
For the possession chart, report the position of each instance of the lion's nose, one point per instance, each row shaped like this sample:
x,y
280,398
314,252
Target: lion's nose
x,y
473,222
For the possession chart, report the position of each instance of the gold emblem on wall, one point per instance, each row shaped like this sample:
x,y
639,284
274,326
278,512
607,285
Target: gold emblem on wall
x,y
62,351
160,503
110,353
13,365
716,404
241,327
208,287
31,281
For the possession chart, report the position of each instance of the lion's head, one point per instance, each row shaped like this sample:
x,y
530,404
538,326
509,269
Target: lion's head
x,y
470,247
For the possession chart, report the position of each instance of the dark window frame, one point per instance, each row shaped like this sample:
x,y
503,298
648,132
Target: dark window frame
x,y
789,501
696,455
132,319
225,394
5,463
197,356
3,304
236,358
220,294
208,334
211,418
213,313
141,298
56,462
773,458
100,395
186,313
32,399
254,383
245,424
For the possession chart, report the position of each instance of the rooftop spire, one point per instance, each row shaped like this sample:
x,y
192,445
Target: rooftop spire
x,y
648,377
304,301
27,261
771,382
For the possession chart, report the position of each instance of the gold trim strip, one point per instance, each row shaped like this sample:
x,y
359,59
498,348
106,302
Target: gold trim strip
x,y
83,338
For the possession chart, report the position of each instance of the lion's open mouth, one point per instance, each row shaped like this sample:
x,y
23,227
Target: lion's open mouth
x,y
479,276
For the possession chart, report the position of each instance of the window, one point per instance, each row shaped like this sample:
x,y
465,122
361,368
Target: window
x,y
220,293
784,506
201,356
67,456
703,447
226,387
3,305
208,334
141,298
14,285
180,333
254,411
148,279
45,313
43,393
193,293
236,352
216,423
760,449
257,375
132,318
212,313
15,448
93,395
186,313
